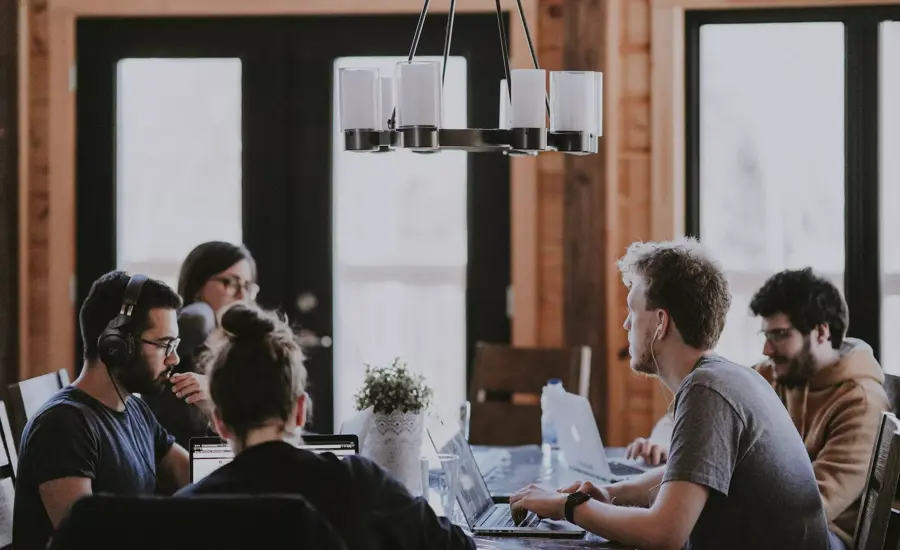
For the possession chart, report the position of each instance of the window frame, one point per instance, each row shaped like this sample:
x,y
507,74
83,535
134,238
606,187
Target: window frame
x,y
862,270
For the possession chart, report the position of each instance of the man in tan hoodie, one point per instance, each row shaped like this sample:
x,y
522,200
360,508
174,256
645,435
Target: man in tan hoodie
x,y
831,386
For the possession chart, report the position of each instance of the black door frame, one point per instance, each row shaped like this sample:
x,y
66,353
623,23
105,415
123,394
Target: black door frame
x,y
285,273
862,272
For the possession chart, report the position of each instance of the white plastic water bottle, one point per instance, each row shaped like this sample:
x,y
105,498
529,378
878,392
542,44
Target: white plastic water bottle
x,y
548,428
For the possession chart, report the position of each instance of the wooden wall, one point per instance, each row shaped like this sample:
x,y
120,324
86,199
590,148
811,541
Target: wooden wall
x,y
591,208
36,337
9,186
611,35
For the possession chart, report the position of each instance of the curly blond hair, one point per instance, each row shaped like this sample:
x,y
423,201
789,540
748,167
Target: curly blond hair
x,y
684,279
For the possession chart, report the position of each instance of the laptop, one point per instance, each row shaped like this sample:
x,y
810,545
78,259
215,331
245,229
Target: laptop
x,y
207,454
579,440
483,516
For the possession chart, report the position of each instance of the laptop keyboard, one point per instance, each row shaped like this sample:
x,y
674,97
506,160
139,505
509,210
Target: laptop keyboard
x,y
504,519
619,469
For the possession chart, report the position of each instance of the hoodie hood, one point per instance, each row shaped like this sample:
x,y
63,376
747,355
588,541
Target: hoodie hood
x,y
857,363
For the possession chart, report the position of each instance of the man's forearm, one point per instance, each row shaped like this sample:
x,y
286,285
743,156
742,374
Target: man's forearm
x,y
637,491
632,527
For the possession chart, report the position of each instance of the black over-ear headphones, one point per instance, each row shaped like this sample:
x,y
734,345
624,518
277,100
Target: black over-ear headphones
x,y
116,345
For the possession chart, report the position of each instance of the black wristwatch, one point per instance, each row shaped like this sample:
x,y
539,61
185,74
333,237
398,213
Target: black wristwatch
x,y
572,501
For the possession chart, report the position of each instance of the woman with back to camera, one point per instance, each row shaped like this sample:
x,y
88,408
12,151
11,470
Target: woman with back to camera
x,y
257,385
214,275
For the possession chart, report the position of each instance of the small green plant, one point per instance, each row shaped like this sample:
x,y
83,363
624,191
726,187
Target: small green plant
x,y
393,388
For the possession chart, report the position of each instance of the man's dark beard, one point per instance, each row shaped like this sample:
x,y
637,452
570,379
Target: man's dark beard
x,y
137,378
800,368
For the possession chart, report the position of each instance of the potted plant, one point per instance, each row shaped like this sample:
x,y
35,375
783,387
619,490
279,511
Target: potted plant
x,y
398,399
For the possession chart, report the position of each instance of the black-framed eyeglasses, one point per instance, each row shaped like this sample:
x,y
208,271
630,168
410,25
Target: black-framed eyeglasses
x,y
170,346
776,335
234,284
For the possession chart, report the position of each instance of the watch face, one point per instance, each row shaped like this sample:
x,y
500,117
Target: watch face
x,y
582,497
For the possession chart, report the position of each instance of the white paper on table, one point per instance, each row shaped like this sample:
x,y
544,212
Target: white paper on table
x,y
7,496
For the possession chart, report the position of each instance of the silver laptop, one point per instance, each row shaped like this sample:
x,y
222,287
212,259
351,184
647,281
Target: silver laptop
x,y
483,516
579,440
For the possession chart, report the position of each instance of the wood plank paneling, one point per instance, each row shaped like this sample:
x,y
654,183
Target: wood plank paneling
x,y
34,354
586,267
9,190
551,27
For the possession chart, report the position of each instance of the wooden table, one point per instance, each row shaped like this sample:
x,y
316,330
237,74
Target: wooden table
x,y
506,470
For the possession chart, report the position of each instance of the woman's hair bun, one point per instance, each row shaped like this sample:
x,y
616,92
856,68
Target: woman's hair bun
x,y
244,321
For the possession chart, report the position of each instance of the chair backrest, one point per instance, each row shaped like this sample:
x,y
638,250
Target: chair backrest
x,y
881,485
506,389
28,396
208,521
892,388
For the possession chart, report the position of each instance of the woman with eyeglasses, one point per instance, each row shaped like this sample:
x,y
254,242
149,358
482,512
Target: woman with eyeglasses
x,y
214,275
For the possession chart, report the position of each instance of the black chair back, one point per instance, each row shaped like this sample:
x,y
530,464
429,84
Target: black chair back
x,y
884,472
209,521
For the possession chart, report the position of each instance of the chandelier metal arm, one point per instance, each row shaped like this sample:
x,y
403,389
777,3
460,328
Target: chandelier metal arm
x,y
503,49
448,35
534,58
419,26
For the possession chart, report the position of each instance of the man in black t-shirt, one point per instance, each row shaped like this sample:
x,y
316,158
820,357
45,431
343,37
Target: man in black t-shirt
x,y
94,436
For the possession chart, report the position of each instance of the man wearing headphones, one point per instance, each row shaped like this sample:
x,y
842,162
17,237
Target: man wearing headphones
x,y
93,436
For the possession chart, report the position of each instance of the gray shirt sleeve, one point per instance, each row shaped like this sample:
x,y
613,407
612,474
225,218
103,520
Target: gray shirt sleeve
x,y
705,440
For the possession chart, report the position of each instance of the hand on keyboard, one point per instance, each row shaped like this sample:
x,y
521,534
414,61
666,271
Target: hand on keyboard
x,y
597,493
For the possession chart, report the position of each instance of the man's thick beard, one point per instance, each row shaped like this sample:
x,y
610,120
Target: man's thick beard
x,y
800,368
136,378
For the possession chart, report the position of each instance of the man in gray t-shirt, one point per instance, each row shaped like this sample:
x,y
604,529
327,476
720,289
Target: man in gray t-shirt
x,y
733,436
738,474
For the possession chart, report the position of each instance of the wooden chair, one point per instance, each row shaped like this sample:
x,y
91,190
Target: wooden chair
x,y
506,389
884,472
28,396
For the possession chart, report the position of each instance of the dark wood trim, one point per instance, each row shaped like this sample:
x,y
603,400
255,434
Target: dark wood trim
x,y
862,184
9,193
585,269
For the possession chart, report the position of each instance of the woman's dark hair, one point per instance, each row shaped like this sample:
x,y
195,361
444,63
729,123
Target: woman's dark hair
x,y
255,366
206,260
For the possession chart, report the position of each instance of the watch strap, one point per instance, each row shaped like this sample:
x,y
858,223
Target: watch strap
x,y
573,500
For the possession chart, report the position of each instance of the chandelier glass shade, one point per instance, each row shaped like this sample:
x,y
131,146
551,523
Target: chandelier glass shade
x,y
381,112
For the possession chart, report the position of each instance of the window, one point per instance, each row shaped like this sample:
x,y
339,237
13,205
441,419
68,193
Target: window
x,y
782,158
178,147
400,257
889,77
771,158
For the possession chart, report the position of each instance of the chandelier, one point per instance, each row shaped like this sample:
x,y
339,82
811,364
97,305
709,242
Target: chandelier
x,y
381,113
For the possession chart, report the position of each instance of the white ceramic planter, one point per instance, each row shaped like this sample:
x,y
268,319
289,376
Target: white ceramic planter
x,y
394,442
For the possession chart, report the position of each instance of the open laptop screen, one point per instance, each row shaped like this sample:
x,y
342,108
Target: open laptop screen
x,y
474,496
208,454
